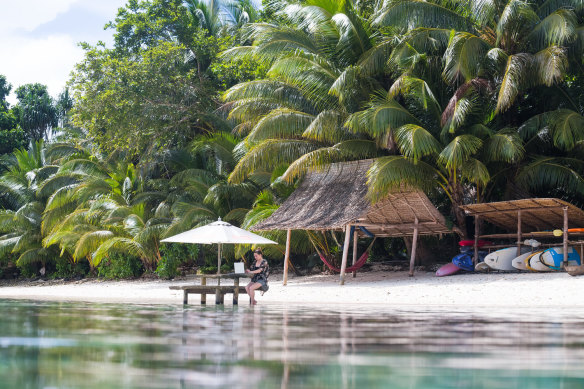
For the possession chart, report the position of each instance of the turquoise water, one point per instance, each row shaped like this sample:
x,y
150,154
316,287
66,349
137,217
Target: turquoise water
x,y
78,345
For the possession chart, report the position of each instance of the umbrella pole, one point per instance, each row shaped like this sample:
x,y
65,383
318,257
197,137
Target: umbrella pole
x,y
219,258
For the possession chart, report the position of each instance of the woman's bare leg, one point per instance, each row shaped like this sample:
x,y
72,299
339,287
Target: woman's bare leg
x,y
251,291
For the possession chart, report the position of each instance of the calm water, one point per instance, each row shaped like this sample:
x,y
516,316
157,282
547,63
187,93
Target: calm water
x,y
76,345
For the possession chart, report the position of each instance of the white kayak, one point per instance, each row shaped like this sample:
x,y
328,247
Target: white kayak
x,y
502,259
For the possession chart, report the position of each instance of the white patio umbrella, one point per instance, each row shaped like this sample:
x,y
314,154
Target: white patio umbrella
x,y
219,232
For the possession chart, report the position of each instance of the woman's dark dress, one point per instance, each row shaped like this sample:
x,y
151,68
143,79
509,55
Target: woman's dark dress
x,y
261,277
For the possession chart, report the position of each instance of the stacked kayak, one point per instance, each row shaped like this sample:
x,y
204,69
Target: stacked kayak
x,y
530,259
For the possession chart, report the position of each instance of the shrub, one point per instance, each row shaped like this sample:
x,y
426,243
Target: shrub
x,y
120,266
65,269
174,255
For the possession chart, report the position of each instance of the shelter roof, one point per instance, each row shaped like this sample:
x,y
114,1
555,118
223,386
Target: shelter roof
x,y
536,214
337,196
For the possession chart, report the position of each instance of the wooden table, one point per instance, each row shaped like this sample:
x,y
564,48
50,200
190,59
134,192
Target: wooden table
x,y
220,290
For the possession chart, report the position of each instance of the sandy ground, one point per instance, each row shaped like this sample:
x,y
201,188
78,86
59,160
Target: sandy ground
x,y
374,287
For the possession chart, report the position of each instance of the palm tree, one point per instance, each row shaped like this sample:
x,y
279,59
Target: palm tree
x,y
25,188
453,110
106,217
294,118
215,16
430,157
515,45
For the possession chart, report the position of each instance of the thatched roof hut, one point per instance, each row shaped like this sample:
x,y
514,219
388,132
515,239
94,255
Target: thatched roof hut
x,y
337,196
336,199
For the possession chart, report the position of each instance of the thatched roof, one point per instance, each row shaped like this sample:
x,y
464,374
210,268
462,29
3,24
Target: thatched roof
x,y
536,214
337,196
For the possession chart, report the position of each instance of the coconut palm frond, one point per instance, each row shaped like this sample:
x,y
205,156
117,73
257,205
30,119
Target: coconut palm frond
x,y
118,244
516,77
550,65
464,58
416,142
415,13
320,158
326,127
556,29
270,153
476,172
552,173
280,123
396,172
459,150
90,242
503,146
383,116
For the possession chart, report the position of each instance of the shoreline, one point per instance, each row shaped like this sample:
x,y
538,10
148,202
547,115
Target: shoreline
x,y
390,288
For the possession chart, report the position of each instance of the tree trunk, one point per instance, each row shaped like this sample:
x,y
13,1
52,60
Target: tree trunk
x,y
200,256
425,253
457,202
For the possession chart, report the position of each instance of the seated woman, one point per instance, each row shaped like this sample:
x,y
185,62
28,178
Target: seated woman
x,y
260,270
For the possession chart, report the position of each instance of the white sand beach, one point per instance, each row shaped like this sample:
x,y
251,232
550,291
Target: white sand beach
x,y
373,287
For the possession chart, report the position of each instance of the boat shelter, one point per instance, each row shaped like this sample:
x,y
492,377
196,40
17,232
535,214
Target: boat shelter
x,y
336,199
528,218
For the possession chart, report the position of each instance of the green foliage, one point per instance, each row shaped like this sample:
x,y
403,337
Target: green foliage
x,y
11,140
28,270
465,100
37,113
120,266
174,255
67,269
142,103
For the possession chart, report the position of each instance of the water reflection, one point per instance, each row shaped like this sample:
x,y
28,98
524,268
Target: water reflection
x,y
77,345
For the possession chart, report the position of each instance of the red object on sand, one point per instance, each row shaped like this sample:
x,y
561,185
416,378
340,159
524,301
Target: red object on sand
x,y
468,243
447,270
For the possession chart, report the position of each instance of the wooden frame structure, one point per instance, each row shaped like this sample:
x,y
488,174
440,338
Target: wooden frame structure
x,y
336,199
530,218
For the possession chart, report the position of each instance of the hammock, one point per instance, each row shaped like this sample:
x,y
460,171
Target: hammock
x,y
350,269
356,266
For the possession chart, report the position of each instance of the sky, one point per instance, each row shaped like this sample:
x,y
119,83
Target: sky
x,y
39,38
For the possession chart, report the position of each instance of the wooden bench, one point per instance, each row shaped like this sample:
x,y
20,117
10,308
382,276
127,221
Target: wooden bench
x,y
219,290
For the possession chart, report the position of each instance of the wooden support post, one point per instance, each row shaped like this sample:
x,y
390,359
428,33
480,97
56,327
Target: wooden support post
x,y
287,257
519,233
414,247
219,296
355,239
203,295
235,290
345,252
185,297
565,237
475,258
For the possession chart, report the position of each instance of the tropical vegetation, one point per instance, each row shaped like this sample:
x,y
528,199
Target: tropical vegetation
x,y
207,109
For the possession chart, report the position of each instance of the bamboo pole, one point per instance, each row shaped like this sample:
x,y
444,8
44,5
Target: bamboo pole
x,y
565,237
345,252
519,233
475,258
355,239
414,247
287,257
